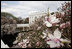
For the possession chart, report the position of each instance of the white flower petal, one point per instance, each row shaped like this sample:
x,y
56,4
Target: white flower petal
x,y
46,18
44,35
53,44
49,42
15,42
25,41
57,34
50,36
48,24
53,19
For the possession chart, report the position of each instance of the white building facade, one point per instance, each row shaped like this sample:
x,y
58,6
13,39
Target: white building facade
x,y
34,16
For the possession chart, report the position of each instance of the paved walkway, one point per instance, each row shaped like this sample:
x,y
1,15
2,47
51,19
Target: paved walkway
x,y
4,45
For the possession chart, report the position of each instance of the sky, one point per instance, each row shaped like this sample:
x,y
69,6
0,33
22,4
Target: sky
x,y
24,8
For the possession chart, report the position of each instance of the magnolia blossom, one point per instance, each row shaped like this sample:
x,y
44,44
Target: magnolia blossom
x,y
54,40
24,43
48,24
64,25
49,21
53,19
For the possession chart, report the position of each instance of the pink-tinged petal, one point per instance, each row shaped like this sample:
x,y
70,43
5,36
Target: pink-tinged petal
x,y
29,46
46,18
62,14
20,44
68,24
48,24
63,25
56,40
68,10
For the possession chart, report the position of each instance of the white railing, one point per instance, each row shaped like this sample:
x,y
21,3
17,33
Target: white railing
x,y
19,25
22,25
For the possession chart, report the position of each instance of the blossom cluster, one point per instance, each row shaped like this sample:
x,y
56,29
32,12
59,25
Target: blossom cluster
x,y
52,31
